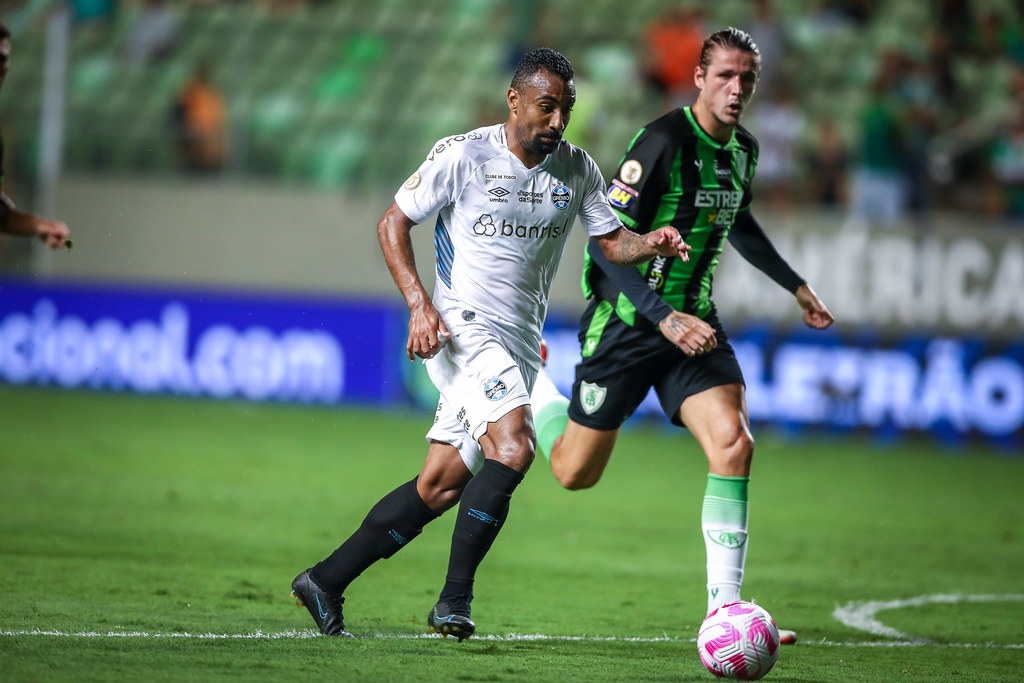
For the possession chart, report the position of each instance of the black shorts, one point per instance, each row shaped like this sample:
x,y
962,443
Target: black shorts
x,y
628,361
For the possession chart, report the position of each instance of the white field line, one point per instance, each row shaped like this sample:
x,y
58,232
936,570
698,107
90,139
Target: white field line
x,y
511,637
858,615
862,615
309,633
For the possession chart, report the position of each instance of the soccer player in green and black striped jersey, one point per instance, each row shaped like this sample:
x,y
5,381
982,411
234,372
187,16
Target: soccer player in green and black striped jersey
x,y
655,325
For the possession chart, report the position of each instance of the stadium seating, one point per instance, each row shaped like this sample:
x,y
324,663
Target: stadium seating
x,y
340,91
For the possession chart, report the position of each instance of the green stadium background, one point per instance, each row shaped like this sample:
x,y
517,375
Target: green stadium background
x,y
332,104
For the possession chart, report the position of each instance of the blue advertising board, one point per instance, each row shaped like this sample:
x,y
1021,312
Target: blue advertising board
x,y
327,350
954,388
197,343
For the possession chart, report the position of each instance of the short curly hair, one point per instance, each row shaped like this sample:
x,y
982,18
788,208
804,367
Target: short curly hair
x,y
541,59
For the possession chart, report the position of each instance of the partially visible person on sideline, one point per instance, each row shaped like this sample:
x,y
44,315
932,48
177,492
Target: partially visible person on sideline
x,y
13,220
200,116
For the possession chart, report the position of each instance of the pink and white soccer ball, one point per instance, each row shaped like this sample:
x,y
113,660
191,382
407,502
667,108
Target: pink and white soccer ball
x,y
740,641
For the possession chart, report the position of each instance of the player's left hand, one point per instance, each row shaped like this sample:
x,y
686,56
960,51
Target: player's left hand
x,y
692,335
815,313
667,242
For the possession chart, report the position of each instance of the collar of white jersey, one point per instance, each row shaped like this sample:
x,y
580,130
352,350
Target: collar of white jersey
x,y
504,143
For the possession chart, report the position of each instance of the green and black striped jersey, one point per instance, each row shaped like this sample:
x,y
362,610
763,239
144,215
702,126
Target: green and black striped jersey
x,y
674,173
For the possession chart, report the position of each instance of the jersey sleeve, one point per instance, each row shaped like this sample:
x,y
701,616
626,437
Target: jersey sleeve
x,y
749,239
640,179
627,281
595,212
432,186
748,173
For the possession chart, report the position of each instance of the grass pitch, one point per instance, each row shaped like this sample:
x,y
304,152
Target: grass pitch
x,y
152,538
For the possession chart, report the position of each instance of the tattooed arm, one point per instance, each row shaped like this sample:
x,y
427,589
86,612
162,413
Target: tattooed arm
x,y
691,334
623,247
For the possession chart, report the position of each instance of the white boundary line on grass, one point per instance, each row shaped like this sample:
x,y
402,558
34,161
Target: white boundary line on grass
x,y
862,615
858,615
309,633
511,637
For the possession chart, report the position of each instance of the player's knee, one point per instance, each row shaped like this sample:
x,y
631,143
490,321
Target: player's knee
x,y
440,498
579,465
517,452
439,490
734,452
741,452
576,480
570,474
444,500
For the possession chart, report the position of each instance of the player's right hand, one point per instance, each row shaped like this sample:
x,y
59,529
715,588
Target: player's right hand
x,y
427,332
815,313
53,233
692,335
667,242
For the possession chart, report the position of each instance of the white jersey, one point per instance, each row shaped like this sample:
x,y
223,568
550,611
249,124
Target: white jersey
x,y
501,227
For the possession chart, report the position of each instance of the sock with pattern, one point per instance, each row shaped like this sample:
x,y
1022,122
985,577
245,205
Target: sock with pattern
x,y
395,520
724,523
482,511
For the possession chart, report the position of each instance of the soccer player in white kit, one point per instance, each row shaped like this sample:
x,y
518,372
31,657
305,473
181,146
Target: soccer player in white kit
x,y
506,197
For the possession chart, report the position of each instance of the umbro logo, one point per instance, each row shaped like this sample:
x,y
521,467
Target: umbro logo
x,y
482,516
498,194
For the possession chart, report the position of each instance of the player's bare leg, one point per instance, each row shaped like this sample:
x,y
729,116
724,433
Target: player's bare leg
x,y
508,446
511,440
443,477
580,455
718,419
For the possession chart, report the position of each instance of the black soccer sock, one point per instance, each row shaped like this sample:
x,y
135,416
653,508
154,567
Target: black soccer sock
x,y
395,520
482,511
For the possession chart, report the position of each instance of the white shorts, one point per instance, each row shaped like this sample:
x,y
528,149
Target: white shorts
x,y
480,381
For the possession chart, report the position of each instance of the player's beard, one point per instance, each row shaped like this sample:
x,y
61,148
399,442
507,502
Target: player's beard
x,y
544,145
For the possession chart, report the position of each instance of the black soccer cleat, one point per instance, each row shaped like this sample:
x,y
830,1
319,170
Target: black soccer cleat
x,y
450,617
324,608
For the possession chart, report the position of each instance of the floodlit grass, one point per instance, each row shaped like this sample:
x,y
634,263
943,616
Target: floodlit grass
x,y
128,515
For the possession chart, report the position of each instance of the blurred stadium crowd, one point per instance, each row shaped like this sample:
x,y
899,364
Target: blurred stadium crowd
x,y
889,107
